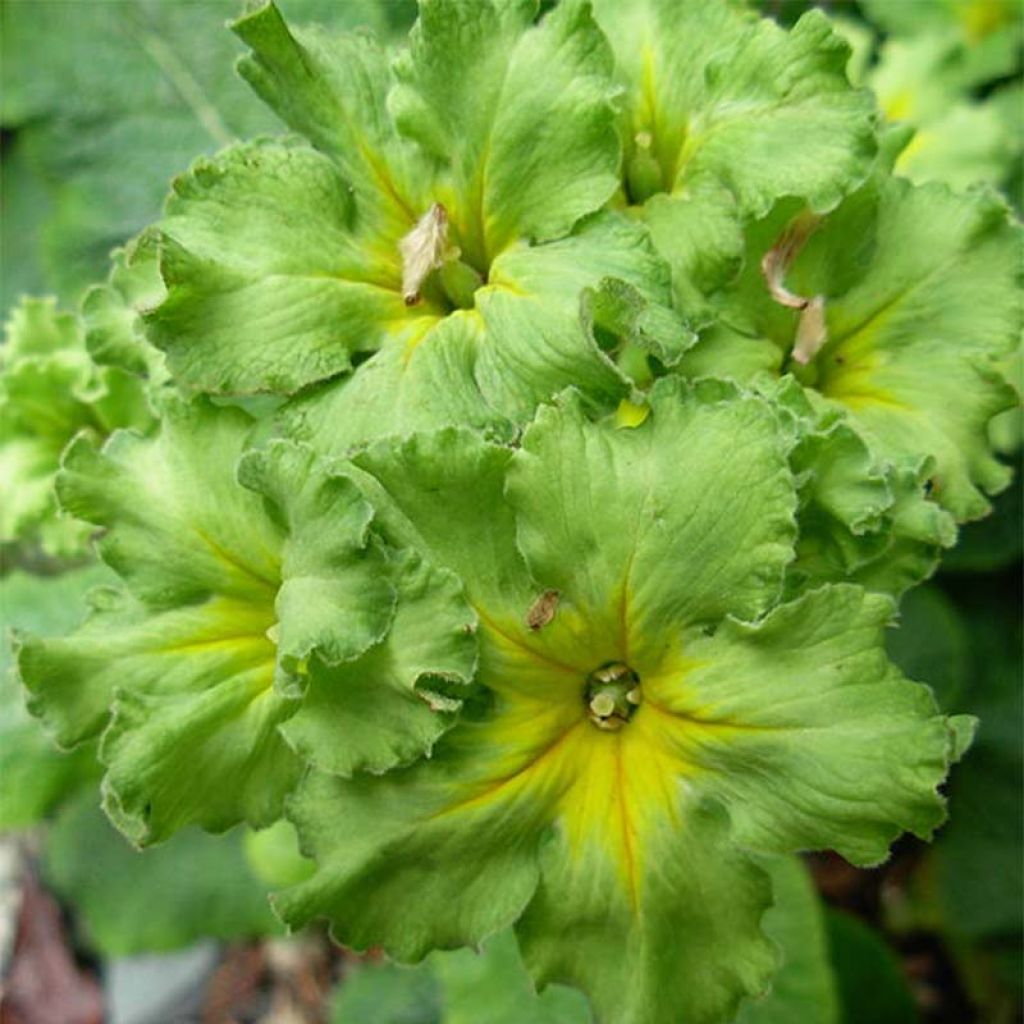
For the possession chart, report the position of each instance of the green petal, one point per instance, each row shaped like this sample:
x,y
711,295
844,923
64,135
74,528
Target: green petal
x,y
393,703
706,81
625,525
783,765
270,283
416,382
332,88
35,328
860,520
112,312
335,597
796,723
538,341
402,480
683,945
181,528
701,236
193,732
39,414
419,859
179,753
522,115
37,776
301,250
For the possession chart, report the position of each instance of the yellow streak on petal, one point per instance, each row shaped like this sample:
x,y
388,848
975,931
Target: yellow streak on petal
x,y
521,758
624,784
854,382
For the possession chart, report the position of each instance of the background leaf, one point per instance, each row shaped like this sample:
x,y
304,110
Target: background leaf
x,y
195,886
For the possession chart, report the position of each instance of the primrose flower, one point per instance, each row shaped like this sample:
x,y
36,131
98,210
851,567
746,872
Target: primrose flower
x,y
445,217
256,617
724,111
920,289
649,714
49,392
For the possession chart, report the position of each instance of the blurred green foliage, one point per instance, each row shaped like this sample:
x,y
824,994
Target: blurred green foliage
x,y
195,886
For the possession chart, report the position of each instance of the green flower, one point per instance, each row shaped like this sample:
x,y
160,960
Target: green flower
x,y
652,557
49,392
920,298
725,113
252,619
442,219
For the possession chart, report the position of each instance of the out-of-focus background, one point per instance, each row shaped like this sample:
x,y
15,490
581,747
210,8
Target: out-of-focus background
x,y
101,104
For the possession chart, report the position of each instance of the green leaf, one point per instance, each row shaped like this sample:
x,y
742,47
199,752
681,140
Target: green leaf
x,y
872,988
931,644
26,204
705,81
107,103
995,542
978,872
456,988
521,115
804,988
496,978
273,855
978,862
129,902
387,994
128,98
230,590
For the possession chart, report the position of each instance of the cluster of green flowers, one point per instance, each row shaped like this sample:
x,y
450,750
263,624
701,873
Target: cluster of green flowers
x,y
522,463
